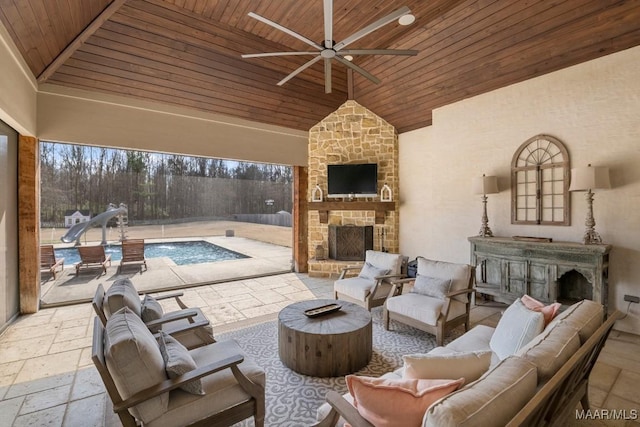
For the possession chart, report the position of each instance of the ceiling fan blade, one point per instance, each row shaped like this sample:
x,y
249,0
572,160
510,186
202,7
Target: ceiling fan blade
x,y
300,69
358,69
260,55
285,30
372,27
327,75
328,24
378,52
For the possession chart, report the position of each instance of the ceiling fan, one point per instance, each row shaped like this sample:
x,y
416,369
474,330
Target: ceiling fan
x,y
330,50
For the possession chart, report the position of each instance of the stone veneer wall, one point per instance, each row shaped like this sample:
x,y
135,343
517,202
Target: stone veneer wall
x,y
352,134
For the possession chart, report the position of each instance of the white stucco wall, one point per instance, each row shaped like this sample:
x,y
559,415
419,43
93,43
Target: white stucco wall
x,y
593,108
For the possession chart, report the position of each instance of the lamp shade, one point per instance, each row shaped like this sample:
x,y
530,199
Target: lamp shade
x,y
485,185
588,178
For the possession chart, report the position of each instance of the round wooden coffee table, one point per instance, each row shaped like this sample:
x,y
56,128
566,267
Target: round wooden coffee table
x,y
329,345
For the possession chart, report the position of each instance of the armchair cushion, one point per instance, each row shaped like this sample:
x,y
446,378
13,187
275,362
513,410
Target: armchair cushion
x,y
178,361
384,260
431,286
459,274
370,271
134,361
221,389
387,402
416,306
354,287
120,294
517,326
150,309
469,365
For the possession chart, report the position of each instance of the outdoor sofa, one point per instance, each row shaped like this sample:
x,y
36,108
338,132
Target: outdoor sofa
x,y
537,380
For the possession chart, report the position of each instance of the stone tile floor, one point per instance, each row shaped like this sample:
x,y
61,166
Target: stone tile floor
x,y
47,377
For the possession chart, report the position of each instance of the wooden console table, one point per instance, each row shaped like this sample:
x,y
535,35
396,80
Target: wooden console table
x,y
548,271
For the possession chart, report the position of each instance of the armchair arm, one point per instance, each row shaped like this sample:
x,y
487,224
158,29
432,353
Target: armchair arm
x,y
172,317
340,407
171,384
398,285
189,327
389,276
344,271
175,295
460,292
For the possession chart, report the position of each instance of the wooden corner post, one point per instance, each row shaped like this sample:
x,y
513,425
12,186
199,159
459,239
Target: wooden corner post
x,y
300,219
29,223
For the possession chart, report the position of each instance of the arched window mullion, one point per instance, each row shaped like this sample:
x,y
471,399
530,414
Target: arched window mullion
x,y
540,182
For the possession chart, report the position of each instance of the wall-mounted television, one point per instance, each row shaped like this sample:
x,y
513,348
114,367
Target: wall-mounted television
x,y
357,180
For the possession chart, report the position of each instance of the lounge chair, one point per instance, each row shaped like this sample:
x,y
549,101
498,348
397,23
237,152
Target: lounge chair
x,y
133,251
48,260
93,256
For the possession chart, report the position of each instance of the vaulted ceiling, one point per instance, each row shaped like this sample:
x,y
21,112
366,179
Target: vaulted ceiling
x,y
187,52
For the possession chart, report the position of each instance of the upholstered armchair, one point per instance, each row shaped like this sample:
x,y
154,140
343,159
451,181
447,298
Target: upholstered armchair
x,y
437,300
371,286
158,382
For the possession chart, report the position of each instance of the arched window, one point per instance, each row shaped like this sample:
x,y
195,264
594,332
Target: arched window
x,y
540,182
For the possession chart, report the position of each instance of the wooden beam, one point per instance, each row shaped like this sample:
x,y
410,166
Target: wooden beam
x,y
88,31
300,219
350,84
29,223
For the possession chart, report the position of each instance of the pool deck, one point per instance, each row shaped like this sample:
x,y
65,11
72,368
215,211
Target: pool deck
x,y
163,274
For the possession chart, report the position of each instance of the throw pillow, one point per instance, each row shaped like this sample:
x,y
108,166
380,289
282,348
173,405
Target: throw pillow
x,y
431,286
517,326
370,271
468,365
150,309
178,361
548,311
390,402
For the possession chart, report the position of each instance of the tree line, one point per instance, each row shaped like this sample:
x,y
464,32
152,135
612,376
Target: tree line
x,y
156,186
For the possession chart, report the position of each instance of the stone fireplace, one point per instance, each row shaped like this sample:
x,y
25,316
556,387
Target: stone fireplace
x,y
352,134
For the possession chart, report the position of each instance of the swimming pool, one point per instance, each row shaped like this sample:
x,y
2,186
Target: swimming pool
x,y
182,253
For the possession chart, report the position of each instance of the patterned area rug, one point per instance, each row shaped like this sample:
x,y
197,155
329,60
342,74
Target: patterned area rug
x,y
291,398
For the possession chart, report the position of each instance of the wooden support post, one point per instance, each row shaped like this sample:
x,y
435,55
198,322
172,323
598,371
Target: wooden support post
x,y
300,219
29,223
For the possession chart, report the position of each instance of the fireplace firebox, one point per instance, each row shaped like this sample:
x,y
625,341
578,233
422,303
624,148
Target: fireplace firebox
x,y
349,242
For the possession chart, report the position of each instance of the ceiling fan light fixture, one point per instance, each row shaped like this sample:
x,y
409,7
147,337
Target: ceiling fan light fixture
x,y
407,19
348,57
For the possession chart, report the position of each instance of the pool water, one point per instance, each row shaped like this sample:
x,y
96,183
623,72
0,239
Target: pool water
x,y
181,253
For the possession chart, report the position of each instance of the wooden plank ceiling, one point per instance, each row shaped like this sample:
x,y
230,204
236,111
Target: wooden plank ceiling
x,y
187,52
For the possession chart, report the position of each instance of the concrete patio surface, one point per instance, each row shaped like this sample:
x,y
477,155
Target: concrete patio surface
x,y
163,274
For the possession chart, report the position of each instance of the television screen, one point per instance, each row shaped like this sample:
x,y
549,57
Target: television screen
x,y
359,180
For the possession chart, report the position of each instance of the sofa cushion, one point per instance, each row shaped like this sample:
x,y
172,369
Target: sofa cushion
x,y
370,271
416,306
551,349
120,294
134,361
431,286
517,326
490,401
586,316
549,311
460,274
468,365
178,361
390,402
